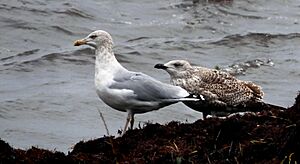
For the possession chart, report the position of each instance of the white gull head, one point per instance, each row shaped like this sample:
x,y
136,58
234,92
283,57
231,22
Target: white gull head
x,y
97,39
175,67
103,44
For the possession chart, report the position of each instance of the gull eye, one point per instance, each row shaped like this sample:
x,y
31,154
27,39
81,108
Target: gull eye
x,y
93,36
177,64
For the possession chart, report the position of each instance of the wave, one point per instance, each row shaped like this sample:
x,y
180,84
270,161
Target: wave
x,y
240,68
24,62
263,38
74,12
25,53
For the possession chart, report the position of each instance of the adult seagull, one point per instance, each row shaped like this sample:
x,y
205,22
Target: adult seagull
x,y
124,90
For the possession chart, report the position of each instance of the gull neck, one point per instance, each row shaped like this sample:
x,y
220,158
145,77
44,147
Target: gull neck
x,y
106,61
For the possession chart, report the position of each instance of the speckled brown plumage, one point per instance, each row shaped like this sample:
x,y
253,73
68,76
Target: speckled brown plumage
x,y
220,89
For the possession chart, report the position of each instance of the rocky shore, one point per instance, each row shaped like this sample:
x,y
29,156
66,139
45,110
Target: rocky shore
x,y
271,136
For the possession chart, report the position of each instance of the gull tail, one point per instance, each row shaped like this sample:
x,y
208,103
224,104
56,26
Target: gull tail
x,y
255,107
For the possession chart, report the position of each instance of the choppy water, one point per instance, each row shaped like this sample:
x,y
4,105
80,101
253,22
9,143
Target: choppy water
x,y
47,95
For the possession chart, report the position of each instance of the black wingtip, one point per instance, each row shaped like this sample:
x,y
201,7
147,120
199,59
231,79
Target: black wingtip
x,y
200,97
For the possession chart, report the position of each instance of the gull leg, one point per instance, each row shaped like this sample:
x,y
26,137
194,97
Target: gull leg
x,y
131,121
129,118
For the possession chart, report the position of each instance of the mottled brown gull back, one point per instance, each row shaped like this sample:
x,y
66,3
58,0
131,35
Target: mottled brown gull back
x,y
218,86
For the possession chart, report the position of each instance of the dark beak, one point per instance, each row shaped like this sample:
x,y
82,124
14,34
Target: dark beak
x,y
160,66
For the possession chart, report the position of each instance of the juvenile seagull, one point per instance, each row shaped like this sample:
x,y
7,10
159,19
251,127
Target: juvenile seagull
x,y
223,93
127,91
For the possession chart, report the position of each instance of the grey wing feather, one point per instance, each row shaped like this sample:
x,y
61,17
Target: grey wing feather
x,y
147,88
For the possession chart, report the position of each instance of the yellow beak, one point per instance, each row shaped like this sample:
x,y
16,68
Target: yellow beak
x,y
80,42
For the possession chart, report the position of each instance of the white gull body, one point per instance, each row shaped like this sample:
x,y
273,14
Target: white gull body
x,y
127,91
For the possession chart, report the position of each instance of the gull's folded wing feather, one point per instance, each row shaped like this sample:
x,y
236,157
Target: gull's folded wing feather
x,y
146,88
226,87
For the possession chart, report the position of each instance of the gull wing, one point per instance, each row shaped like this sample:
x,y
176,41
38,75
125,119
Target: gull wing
x,y
146,88
223,80
222,86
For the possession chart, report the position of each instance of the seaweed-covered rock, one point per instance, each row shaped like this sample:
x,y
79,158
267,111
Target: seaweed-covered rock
x,y
271,136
